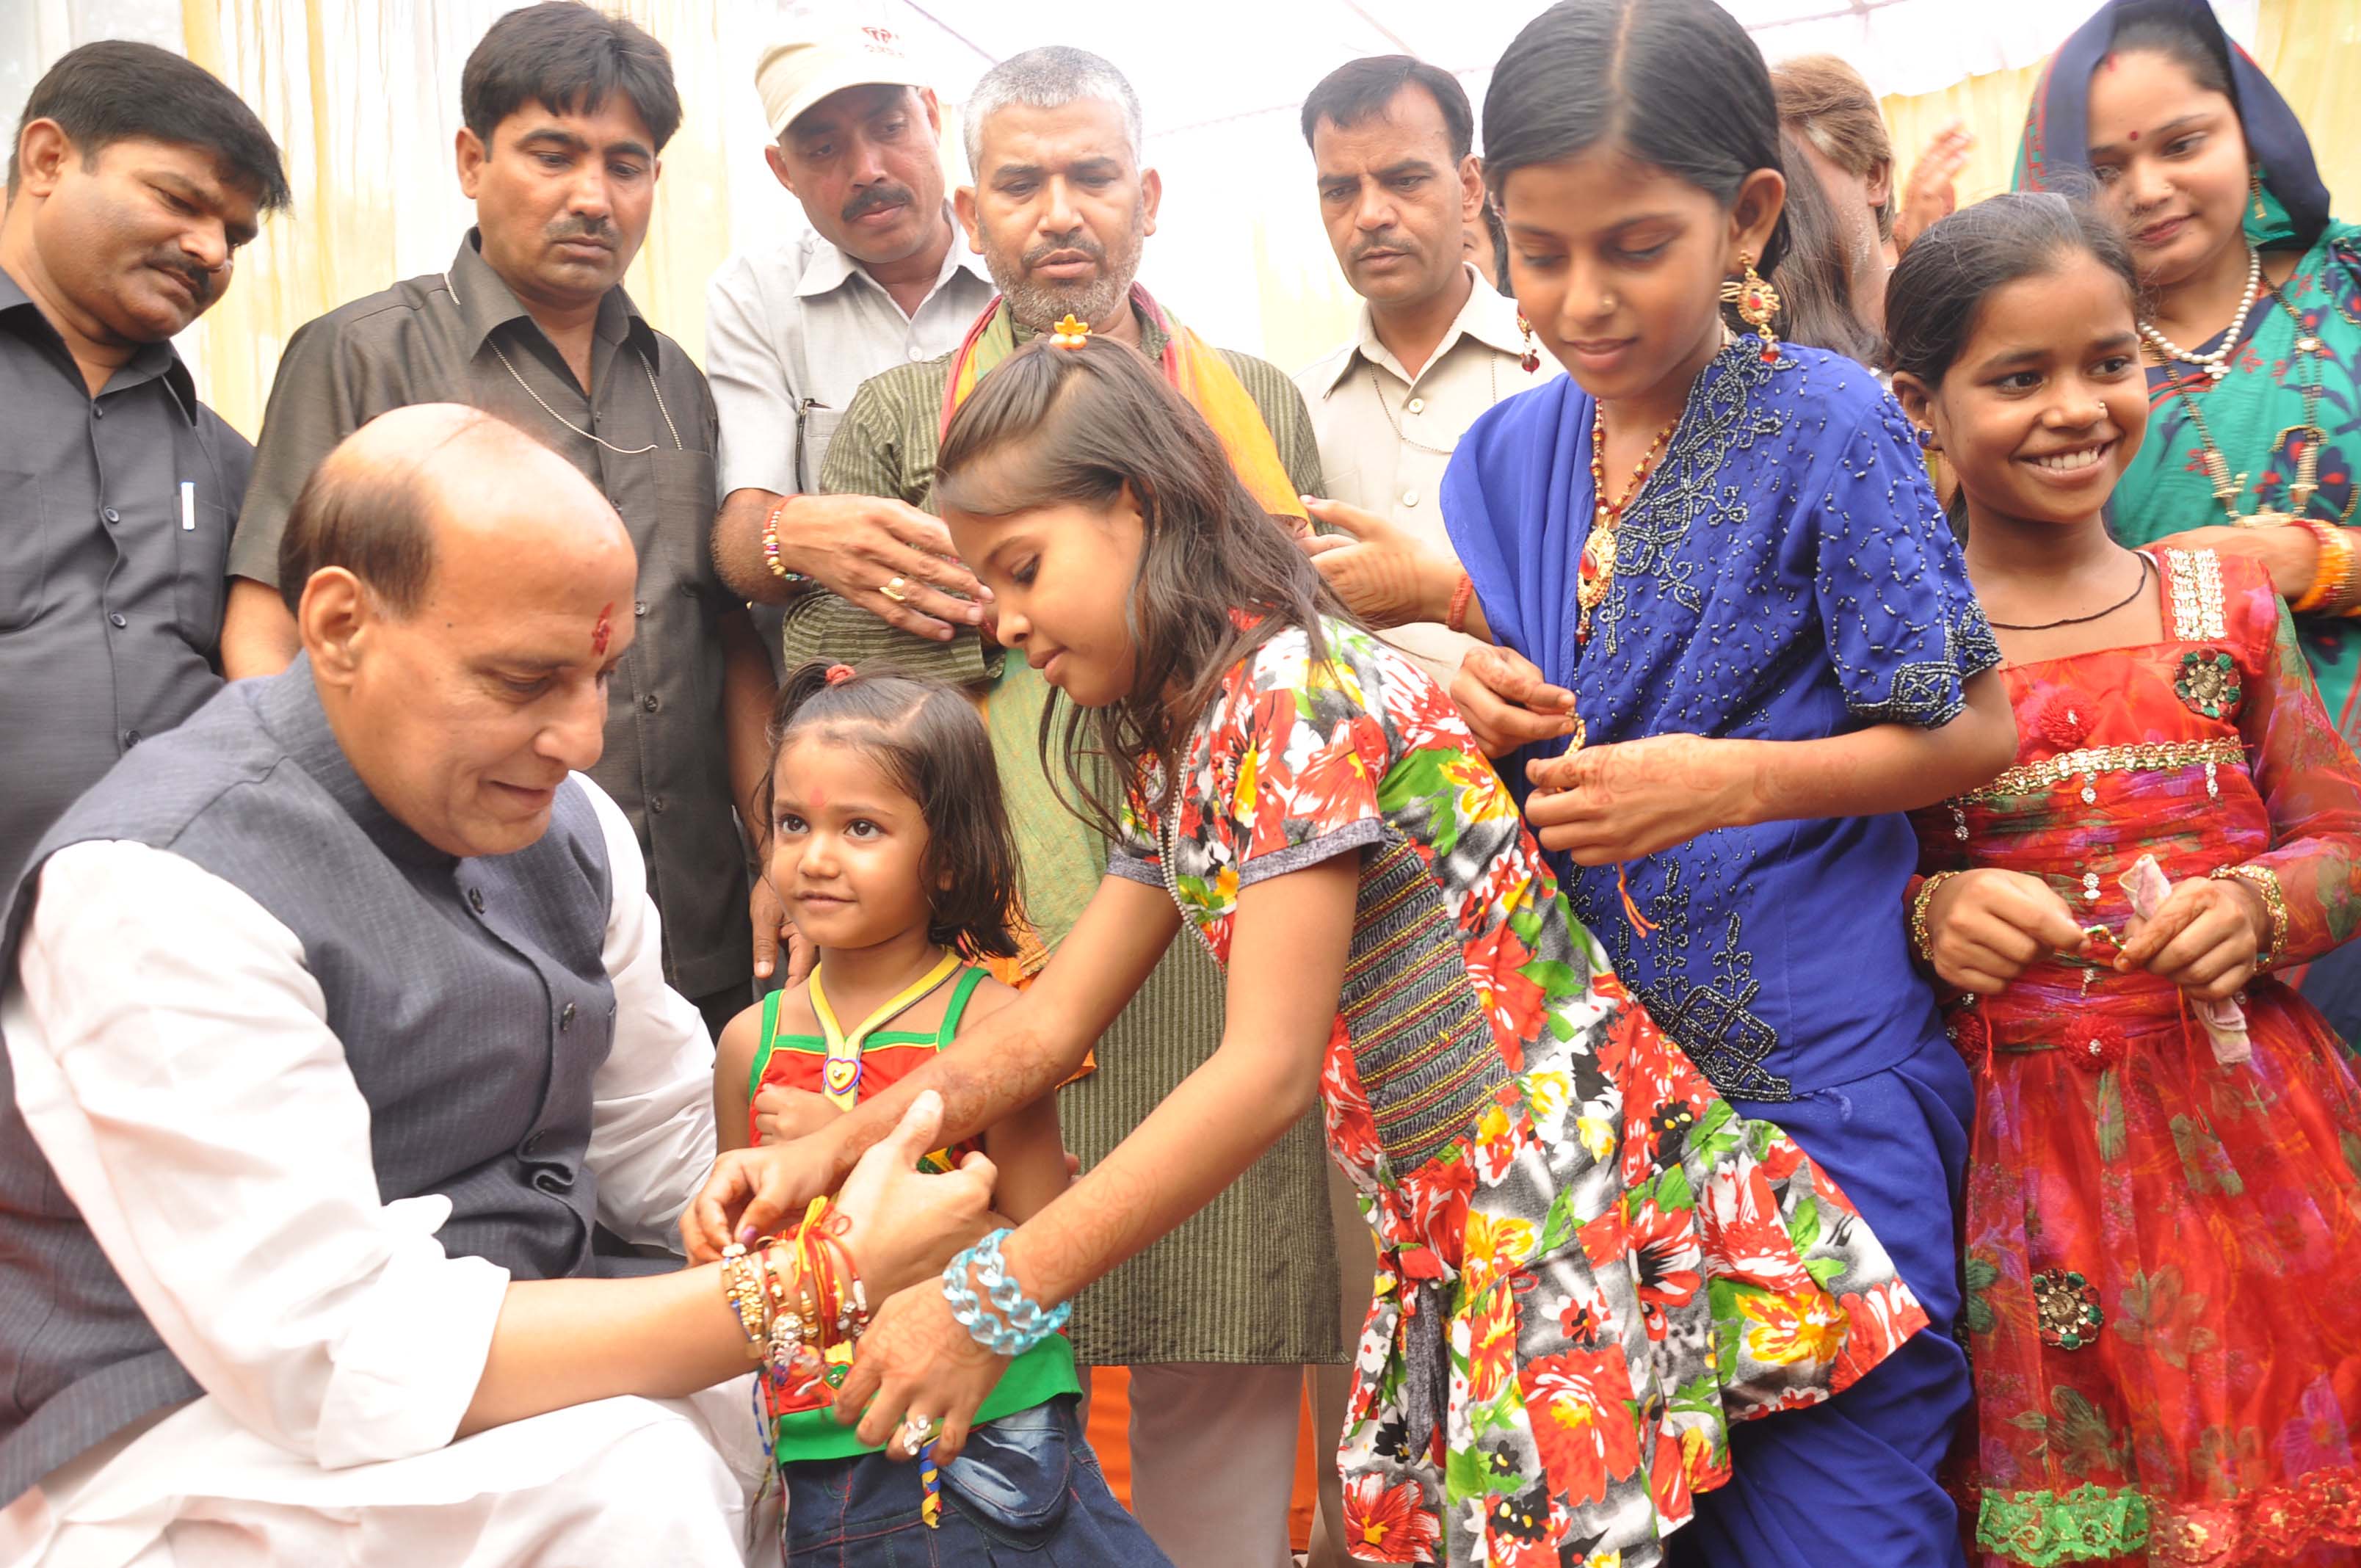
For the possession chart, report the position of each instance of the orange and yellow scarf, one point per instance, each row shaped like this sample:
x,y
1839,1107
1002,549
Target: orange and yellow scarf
x,y
1188,362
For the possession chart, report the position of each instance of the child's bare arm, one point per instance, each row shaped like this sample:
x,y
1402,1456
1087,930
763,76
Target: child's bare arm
x,y
733,1065
1025,1145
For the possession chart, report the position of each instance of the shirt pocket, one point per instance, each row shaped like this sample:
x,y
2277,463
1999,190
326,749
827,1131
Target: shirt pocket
x,y
819,429
201,574
25,550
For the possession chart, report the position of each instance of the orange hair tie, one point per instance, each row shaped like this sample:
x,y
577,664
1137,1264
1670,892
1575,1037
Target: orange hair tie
x,y
839,674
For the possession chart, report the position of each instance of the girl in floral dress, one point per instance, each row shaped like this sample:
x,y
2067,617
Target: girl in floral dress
x,y
1591,1264
2163,1212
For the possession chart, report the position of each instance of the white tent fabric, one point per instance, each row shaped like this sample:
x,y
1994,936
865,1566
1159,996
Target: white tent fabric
x,y
1239,251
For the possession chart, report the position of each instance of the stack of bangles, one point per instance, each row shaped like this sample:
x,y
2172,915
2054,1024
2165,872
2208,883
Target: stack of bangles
x,y
2336,580
795,1297
1002,1319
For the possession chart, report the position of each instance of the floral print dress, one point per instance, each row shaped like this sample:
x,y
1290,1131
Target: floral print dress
x,y
2162,1238
1590,1264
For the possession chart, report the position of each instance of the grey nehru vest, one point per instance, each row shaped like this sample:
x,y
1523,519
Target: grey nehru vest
x,y
470,996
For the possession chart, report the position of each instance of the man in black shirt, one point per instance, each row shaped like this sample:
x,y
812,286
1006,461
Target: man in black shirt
x,y
134,178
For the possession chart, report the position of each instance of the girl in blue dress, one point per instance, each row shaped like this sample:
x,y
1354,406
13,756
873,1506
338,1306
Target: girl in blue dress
x,y
1735,641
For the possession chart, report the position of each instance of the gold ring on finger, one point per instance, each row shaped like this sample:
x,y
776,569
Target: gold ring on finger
x,y
896,589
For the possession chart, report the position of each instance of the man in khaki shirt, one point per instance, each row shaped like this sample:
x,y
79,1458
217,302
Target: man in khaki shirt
x,y
1437,345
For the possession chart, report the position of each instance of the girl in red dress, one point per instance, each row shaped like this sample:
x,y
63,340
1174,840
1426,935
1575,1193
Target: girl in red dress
x,y
2163,1215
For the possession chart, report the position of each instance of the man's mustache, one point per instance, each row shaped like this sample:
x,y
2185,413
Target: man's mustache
x,y
199,280
598,230
1077,241
876,199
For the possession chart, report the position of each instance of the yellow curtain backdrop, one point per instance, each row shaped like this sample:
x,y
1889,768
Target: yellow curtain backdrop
x,y
2310,49
363,95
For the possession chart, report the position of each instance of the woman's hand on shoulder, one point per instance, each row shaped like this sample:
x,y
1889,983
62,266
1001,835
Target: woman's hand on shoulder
x,y
1988,927
1384,575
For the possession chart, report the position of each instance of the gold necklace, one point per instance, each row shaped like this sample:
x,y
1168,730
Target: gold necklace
x,y
1596,574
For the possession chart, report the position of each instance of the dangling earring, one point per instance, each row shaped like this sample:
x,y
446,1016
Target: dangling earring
x,y
2255,188
1757,302
1532,360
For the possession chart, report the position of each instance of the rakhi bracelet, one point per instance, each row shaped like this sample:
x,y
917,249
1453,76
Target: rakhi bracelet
x,y
2265,881
742,1286
1922,941
850,1307
771,546
1455,618
1004,1322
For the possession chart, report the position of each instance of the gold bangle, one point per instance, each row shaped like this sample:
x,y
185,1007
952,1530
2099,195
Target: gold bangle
x,y
1922,941
2265,881
2344,598
2330,569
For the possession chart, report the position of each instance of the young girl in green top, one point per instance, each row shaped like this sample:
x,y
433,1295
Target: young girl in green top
x,y
890,850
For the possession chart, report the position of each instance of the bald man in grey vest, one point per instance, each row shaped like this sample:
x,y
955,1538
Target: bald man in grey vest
x,y
333,1023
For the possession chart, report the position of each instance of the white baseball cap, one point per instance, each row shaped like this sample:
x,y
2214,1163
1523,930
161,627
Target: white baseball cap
x,y
794,76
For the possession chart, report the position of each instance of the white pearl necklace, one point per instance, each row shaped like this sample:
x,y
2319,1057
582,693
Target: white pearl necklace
x,y
2216,364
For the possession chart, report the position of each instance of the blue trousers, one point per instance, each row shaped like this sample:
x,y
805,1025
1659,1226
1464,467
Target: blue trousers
x,y
1852,1483
1026,1493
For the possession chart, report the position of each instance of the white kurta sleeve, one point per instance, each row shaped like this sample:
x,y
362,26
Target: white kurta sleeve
x,y
173,1060
651,1120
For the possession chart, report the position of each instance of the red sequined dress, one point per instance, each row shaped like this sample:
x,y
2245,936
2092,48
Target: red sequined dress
x,y
2163,1248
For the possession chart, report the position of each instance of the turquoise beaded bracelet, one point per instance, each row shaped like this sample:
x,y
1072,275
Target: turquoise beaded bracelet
x,y
1011,1324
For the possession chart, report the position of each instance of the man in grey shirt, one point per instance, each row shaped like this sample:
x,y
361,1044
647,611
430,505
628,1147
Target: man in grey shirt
x,y
793,330
134,176
566,110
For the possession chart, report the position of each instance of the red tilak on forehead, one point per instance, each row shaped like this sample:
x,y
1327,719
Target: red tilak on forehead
x,y
2135,136
602,631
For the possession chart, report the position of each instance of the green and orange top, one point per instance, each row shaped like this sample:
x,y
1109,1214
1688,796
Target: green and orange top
x,y
846,1069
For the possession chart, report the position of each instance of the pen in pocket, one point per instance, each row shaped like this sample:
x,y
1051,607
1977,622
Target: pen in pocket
x,y
188,505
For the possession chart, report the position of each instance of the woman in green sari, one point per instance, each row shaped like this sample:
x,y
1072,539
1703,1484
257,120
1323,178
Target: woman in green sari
x,y
2251,327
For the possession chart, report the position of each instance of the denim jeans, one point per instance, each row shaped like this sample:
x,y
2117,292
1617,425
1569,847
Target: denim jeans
x,y
1026,1493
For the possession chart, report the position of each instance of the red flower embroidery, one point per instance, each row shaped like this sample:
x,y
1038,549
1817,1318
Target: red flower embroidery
x,y
2061,722
1386,1524
1971,1034
2094,1047
1578,1404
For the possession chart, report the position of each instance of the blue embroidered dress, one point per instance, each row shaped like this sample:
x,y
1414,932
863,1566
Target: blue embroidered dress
x,y
1784,574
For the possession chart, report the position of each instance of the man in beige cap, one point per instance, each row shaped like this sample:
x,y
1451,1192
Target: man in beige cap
x,y
793,329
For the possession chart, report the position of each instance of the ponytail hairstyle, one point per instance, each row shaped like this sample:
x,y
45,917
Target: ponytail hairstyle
x,y
1936,295
1677,84
929,741
1218,576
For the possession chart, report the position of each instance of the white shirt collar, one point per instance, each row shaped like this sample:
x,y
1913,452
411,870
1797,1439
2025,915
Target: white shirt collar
x,y
831,267
1487,316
